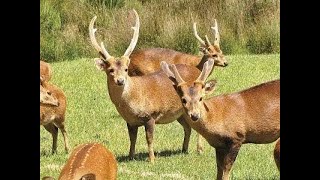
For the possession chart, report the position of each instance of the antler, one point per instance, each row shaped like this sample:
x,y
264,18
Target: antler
x,y
134,39
207,67
196,34
101,49
216,34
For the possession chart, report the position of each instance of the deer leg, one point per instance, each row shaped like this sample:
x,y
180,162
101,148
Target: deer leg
x,y
225,158
199,143
149,128
133,131
187,133
65,136
276,154
50,127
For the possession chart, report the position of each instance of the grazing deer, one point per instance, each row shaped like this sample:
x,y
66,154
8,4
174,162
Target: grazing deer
x,y
147,61
45,71
276,154
52,116
141,100
89,162
46,96
230,120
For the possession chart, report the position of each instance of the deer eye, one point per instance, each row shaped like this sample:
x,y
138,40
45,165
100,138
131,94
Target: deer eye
x,y
184,101
126,70
214,55
111,70
200,99
49,93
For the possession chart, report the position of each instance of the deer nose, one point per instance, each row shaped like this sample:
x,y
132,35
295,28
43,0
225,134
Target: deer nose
x,y
226,64
120,82
195,117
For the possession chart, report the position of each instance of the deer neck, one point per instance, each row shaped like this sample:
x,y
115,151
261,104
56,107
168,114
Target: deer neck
x,y
202,61
118,93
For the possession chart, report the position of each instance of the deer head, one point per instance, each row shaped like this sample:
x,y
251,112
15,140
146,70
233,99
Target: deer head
x,y
192,93
212,51
115,67
46,97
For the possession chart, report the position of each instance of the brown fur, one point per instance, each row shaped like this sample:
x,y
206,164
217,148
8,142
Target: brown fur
x,y
53,117
276,154
91,158
230,120
147,61
45,71
146,100
46,97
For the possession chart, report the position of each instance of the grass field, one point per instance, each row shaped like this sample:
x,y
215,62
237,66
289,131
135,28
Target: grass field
x,y
91,117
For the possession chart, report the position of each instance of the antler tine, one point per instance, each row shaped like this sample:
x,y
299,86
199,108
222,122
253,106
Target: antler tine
x,y
177,75
207,41
94,40
207,67
216,33
196,34
134,39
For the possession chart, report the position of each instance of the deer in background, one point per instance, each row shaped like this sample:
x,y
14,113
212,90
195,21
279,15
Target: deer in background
x,y
89,162
141,100
227,121
45,71
52,113
147,61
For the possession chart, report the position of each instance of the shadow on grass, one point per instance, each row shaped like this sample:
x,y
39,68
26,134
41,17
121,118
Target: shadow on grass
x,y
271,178
144,156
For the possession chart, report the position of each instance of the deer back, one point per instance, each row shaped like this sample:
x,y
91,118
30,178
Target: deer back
x,y
90,160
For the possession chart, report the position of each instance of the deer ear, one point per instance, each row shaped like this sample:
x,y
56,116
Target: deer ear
x,y
165,68
89,176
209,87
100,64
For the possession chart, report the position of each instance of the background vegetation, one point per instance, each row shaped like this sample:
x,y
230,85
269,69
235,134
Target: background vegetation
x,y
246,26
91,117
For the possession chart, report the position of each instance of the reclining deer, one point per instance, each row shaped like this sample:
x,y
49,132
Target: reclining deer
x,y
147,61
230,120
89,161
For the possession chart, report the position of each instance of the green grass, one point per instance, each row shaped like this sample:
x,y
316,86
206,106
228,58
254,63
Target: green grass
x,y
91,117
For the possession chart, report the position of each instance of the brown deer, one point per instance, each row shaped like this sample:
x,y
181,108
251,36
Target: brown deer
x,y
227,121
147,61
89,162
276,154
45,71
52,116
142,100
46,96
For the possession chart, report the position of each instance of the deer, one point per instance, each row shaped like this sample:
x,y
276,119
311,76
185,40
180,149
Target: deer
x,y
146,61
45,71
52,115
89,161
46,96
141,100
276,154
228,121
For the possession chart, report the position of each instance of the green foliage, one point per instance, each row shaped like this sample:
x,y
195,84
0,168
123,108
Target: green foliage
x,y
91,117
245,26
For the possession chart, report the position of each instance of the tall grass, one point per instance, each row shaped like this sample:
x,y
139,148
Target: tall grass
x,y
246,26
